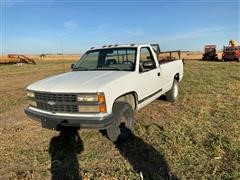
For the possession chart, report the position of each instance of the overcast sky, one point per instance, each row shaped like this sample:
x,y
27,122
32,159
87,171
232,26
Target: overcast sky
x,y
34,27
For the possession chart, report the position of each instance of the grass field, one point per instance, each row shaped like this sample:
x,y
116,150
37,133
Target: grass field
x,y
197,137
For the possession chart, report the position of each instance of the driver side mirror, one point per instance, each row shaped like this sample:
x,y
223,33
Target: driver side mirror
x,y
72,66
148,64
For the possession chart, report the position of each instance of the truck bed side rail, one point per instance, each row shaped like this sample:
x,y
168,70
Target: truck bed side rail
x,y
166,56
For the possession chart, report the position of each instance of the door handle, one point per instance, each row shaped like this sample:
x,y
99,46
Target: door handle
x,y
158,74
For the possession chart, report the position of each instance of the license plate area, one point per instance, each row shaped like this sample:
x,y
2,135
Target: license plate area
x,y
49,124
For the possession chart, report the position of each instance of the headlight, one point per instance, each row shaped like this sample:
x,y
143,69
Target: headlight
x,y
92,103
87,98
88,108
99,108
30,94
32,103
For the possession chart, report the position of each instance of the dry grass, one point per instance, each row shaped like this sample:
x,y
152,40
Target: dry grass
x,y
191,55
195,138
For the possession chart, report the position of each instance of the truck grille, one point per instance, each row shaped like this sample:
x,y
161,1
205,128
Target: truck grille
x,y
60,102
56,97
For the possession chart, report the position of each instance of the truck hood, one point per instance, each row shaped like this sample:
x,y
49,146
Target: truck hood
x,y
77,81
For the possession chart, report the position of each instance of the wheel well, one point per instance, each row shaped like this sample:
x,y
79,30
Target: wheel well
x,y
130,98
177,77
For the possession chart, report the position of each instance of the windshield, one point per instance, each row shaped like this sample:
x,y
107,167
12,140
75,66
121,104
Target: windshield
x,y
119,59
232,49
210,50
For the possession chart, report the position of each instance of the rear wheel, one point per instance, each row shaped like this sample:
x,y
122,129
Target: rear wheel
x,y
122,126
237,59
172,94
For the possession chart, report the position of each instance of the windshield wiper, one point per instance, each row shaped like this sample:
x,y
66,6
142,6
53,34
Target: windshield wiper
x,y
100,68
80,69
109,68
114,68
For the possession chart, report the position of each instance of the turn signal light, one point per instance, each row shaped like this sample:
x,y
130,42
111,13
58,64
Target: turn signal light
x,y
101,98
102,108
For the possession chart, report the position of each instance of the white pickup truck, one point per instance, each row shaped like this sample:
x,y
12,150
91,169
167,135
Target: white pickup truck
x,y
104,89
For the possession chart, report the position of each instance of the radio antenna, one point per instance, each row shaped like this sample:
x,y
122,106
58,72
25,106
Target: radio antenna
x,y
62,54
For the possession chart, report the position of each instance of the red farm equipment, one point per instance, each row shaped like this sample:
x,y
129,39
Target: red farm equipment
x,y
210,53
231,52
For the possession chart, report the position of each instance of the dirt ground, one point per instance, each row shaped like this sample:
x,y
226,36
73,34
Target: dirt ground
x,y
196,137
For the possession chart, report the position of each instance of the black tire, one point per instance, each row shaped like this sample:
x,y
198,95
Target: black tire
x,y
172,94
123,122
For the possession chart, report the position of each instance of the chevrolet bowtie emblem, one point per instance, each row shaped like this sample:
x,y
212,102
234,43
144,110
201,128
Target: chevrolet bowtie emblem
x,y
51,103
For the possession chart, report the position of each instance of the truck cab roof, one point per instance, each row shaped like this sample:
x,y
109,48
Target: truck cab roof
x,y
119,46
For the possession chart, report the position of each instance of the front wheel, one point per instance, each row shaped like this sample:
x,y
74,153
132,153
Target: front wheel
x,y
172,94
123,122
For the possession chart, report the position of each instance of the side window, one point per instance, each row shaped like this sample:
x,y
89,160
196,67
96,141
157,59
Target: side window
x,y
147,62
120,58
